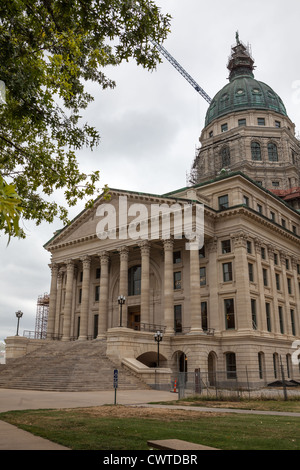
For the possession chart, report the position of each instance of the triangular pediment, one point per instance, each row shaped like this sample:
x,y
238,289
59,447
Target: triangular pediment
x,y
109,218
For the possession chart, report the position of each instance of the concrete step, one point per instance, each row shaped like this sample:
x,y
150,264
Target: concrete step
x,y
67,366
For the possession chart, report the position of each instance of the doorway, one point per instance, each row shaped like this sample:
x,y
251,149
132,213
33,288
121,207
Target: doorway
x,y
134,318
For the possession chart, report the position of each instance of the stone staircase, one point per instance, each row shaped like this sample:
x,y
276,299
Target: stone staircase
x,y
67,366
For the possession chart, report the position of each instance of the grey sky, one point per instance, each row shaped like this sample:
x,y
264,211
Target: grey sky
x,y
151,122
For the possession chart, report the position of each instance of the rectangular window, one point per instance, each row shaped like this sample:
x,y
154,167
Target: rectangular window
x,y
227,272
280,314
204,316
246,201
293,322
277,279
97,273
229,314
231,366
275,184
224,127
79,296
265,277
250,271
242,122
96,317
272,216
177,280
261,121
202,252
283,223
289,285
203,276
176,257
277,124
226,246
253,313
134,280
259,208
177,319
97,293
263,253
223,202
268,316
275,258
260,365
287,264
249,247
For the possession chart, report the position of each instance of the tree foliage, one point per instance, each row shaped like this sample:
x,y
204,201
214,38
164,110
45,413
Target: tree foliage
x,y
49,51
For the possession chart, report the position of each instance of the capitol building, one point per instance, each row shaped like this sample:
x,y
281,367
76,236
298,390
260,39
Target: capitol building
x,y
232,304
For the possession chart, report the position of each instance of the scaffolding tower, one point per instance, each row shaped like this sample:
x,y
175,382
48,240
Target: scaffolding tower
x,y
41,316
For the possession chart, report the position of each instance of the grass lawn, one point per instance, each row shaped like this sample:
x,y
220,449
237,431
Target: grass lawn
x,y
118,427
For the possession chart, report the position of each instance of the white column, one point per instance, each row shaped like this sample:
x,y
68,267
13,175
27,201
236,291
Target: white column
x,y
68,300
85,297
145,282
195,298
168,287
103,300
123,289
52,300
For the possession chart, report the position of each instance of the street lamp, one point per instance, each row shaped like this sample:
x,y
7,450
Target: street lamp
x,y
19,315
121,301
158,338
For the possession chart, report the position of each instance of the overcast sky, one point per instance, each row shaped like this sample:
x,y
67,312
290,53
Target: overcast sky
x,y
151,122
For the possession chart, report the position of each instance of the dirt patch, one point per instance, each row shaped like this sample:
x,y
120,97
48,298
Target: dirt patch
x,y
120,411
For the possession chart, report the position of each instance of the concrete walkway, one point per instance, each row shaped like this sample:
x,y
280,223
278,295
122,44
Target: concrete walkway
x,y
12,438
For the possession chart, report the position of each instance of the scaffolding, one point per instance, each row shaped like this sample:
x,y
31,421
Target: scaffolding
x,y
41,316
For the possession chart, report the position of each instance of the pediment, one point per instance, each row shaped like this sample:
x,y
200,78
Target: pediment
x,y
117,214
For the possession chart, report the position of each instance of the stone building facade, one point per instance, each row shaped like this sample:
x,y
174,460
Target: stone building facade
x,y
232,304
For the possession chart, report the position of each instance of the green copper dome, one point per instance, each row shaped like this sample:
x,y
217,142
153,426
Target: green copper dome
x,y
243,92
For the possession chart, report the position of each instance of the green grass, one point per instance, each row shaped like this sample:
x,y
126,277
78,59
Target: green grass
x,y
94,429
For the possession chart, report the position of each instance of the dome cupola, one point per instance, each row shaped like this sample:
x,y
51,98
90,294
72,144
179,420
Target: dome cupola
x,y
243,92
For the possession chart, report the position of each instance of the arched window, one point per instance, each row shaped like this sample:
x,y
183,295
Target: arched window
x,y
272,152
225,157
255,151
134,280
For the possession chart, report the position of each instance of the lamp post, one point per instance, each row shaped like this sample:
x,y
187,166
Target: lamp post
x,y
19,315
158,338
121,301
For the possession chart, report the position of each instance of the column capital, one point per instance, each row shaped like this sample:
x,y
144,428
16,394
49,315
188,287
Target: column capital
x,y
145,247
124,251
104,257
168,244
70,263
54,268
86,261
239,239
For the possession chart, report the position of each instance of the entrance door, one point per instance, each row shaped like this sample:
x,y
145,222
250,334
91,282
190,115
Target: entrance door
x,y
134,318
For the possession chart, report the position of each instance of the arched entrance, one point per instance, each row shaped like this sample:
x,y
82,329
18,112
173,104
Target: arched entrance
x,y
149,359
180,365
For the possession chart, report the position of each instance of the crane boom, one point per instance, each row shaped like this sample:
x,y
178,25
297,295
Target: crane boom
x,y
181,70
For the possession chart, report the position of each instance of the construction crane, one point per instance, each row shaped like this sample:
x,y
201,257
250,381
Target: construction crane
x,y
181,70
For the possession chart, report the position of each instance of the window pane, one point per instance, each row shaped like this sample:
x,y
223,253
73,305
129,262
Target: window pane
x,y
229,314
256,151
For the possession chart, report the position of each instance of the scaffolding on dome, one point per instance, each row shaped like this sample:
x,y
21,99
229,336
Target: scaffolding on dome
x,y
41,318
